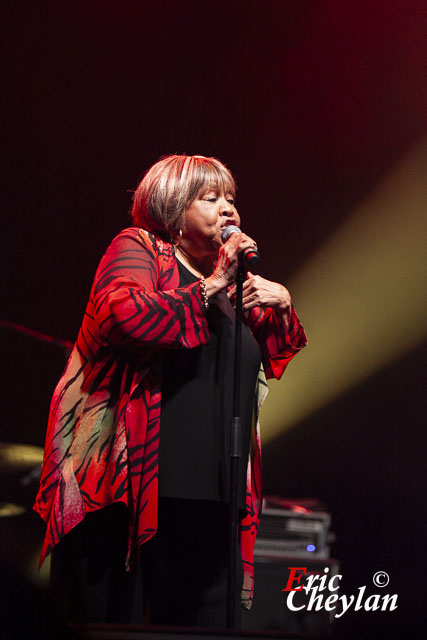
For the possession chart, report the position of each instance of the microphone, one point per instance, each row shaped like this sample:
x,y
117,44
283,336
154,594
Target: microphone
x,y
251,254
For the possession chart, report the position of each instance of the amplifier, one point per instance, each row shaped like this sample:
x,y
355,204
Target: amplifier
x,y
270,609
293,529
292,533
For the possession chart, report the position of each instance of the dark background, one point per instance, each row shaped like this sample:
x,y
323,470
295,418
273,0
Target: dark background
x,y
310,104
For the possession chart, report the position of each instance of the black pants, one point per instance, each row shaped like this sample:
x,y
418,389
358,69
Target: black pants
x,y
180,579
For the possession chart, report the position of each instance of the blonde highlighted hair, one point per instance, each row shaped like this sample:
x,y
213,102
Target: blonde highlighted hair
x,y
171,185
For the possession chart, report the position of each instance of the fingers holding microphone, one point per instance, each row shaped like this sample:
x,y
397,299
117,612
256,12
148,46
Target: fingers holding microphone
x,y
247,246
235,244
257,291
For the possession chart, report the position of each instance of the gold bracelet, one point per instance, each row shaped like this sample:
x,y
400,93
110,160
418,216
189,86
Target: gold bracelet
x,y
203,291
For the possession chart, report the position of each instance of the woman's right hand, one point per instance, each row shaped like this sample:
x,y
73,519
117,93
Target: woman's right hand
x,y
225,271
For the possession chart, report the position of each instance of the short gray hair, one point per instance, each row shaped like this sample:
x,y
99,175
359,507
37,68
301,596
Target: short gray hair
x,y
171,185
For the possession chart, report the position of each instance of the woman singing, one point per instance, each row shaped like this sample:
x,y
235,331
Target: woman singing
x,y
135,478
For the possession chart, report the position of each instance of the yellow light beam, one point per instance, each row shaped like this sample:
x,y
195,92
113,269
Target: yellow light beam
x,y
361,297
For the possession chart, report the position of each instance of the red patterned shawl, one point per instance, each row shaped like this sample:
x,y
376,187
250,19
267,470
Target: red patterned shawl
x,y
103,431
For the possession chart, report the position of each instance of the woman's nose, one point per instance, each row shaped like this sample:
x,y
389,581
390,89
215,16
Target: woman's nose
x,y
227,208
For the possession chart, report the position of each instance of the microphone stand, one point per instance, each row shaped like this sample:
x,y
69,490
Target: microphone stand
x,y
235,453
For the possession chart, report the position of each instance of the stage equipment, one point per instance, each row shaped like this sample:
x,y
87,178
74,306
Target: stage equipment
x,y
270,610
293,529
235,455
292,533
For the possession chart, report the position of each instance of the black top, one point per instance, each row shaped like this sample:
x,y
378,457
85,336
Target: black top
x,y
197,408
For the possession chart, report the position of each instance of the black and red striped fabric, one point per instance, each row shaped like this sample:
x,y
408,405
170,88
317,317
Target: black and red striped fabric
x,y
103,432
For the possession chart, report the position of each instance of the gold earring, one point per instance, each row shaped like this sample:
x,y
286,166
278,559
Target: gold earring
x,y
176,243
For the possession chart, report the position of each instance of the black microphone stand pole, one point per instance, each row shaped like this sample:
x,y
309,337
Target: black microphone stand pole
x,y
235,453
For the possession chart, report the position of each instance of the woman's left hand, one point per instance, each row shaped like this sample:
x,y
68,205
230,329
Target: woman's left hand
x,y
259,292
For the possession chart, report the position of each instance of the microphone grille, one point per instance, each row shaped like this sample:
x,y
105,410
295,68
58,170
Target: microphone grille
x,y
226,233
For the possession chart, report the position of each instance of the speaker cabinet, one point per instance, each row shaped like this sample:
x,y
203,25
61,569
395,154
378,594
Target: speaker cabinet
x,y
270,610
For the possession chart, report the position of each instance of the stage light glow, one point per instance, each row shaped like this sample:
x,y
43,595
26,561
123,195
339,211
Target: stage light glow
x,y
361,297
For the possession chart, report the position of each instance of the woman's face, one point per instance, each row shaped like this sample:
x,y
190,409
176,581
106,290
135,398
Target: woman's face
x,y
204,220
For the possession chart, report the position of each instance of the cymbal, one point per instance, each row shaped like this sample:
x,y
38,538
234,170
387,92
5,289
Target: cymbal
x,y
8,509
19,457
